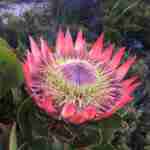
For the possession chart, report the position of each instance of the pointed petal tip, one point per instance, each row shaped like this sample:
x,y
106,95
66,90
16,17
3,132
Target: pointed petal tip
x,y
134,86
102,35
130,81
79,35
123,69
60,42
107,54
41,38
80,45
31,39
68,34
100,39
96,50
80,32
68,30
34,48
68,44
60,34
117,58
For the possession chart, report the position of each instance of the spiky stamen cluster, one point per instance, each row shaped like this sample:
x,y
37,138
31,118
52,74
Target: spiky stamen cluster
x,y
77,85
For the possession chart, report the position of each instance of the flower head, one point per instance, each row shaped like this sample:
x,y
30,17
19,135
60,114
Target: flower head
x,y
75,85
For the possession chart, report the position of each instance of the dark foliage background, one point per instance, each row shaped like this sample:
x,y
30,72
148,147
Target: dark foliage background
x,y
124,22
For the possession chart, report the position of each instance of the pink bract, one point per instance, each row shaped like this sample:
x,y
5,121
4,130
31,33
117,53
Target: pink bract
x,y
76,84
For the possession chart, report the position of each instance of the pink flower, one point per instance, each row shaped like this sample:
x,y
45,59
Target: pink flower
x,y
75,85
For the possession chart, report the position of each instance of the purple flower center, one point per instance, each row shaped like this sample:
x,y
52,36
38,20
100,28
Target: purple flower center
x,y
79,73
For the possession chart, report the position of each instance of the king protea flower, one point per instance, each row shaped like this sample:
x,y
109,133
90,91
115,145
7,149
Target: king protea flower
x,y
77,85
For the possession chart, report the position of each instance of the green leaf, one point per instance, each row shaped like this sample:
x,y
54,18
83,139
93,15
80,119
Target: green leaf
x,y
40,143
23,114
71,147
146,147
11,74
57,145
108,127
103,147
112,122
13,138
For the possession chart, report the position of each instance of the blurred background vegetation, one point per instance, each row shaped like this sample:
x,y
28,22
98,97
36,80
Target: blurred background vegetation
x,y
124,22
